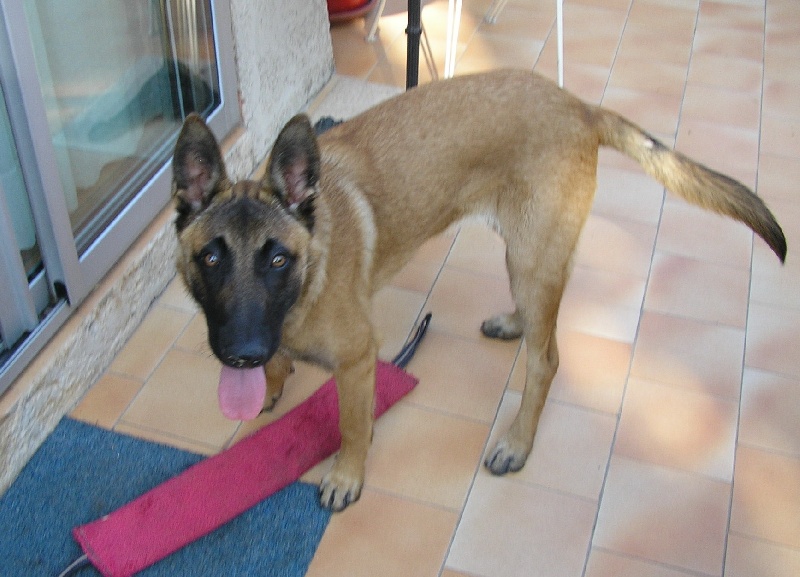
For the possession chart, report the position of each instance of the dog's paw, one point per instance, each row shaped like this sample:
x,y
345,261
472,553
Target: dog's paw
x,y
506,327
270,401
338,490
506,457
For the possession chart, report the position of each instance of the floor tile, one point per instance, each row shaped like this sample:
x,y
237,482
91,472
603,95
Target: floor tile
x,y
487,51
352,55
461,301
629,195
425,456
478,249
693,232
677,428
665,16
642,42
777,177
773,339
774,283
571,449
180,398
394,312
747,557
417,276
616,245
690,354
606,564
384,535
663,515
451,573
107,400
736,16
177,296
633,73
147,346
592,371
711,104
766,496
194,338
780,135
460,376
770,406
699,290
519,20
726,72
513,529
778,66
164,438
653,111
727,149
424,267
780,97
602,303
594,317
615,289
720,40
584,80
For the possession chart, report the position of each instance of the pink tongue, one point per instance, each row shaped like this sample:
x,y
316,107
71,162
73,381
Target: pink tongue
x,y
241,392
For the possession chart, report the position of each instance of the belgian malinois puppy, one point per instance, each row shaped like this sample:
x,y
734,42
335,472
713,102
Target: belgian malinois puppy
x,y
285,267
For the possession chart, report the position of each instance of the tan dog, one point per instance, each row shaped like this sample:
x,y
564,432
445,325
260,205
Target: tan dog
x,y
286,267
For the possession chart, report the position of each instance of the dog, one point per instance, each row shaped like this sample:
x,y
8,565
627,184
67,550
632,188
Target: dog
x,y
285,267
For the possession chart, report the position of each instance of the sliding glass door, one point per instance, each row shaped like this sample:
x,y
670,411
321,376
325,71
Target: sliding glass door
x,y
93,94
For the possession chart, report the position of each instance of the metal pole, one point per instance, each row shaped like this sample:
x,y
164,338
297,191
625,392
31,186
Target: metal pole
x,y
414,31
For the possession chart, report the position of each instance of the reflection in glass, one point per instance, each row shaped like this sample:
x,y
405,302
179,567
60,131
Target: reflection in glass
x,y
118,78
12,186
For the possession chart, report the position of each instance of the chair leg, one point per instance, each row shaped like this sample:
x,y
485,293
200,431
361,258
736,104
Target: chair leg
x,y
425,47
453,23
494,11
373,25
560,41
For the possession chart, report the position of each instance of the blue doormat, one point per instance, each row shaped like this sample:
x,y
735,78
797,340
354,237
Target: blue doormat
x,y
82,472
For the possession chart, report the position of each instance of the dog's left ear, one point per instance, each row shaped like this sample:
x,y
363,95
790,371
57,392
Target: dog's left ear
x,y
197,168
294,167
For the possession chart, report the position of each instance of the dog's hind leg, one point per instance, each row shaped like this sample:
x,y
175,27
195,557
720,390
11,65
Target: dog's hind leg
x,y
512,450
538,270
504,326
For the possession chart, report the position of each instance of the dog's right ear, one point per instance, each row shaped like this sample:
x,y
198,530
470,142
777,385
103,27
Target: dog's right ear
x,y
197,169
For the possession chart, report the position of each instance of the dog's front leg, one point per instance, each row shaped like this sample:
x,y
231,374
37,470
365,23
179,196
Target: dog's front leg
x,y
277,371
355,384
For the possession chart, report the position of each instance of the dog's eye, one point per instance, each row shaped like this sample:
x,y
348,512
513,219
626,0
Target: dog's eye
x,y
210,259
279,261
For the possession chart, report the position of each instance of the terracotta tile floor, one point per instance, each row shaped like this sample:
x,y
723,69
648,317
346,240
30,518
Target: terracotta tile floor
x,y
670,443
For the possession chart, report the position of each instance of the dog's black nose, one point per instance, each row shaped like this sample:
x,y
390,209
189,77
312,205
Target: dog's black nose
x,y
245,361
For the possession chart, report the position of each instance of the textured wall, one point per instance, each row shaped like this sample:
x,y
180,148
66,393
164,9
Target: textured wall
x,y
283,55
283,58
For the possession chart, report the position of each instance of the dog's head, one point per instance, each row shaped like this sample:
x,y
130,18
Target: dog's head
x,y
243,246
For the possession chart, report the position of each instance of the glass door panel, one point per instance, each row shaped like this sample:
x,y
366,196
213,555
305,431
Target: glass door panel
x,y
118,77
13,188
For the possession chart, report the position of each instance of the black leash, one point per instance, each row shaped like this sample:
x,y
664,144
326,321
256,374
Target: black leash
x,y
404,356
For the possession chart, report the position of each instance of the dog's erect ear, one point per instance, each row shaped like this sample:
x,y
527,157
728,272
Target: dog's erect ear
x,y
293,171
197,167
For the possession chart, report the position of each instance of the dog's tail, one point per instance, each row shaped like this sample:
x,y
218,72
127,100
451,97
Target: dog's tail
x,y
691,181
